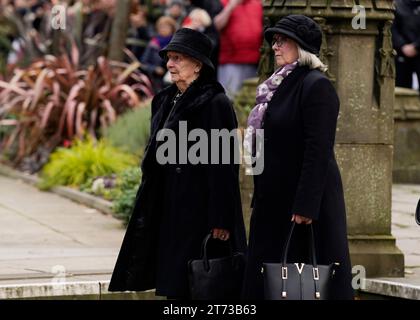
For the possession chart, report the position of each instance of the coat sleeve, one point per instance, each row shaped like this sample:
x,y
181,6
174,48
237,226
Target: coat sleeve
x,y
222,179
320,108
397,37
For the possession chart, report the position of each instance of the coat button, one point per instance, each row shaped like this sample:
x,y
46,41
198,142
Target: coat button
x,y
178,170
265,139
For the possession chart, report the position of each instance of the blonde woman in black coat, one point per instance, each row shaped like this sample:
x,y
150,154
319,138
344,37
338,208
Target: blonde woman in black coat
x,y
297,107
180,202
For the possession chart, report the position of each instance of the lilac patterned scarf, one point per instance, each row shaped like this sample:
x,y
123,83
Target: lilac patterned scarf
x,y
265,92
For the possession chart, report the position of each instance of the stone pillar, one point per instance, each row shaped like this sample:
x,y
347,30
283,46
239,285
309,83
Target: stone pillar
x,y
406,136
361,66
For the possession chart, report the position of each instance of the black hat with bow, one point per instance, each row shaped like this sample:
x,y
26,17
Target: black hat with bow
x,y
305,31
192,43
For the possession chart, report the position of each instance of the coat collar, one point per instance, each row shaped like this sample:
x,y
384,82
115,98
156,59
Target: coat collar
x,y
294,77
198,94
194,98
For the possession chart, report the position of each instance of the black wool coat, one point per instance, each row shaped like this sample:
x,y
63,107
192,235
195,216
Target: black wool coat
x,y
300,176
178,204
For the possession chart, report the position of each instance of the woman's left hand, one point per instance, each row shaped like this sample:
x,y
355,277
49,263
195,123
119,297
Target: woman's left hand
x,y
301,219
221,234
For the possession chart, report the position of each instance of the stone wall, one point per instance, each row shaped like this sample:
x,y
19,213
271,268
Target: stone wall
x,y
406,136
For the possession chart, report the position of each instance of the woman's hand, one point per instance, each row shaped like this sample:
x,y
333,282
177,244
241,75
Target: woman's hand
x,y
301,219
221,234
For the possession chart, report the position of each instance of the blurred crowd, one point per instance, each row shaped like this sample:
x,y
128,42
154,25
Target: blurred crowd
x,y
406,40
234,26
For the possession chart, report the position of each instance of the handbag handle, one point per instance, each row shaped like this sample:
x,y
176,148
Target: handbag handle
x,y
315,270
204,251
311,245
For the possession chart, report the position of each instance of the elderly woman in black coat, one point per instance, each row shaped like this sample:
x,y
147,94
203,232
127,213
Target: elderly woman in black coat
x,y
180,202
297,107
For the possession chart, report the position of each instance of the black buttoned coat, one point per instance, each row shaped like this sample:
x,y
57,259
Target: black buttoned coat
x,y
300,176
178,204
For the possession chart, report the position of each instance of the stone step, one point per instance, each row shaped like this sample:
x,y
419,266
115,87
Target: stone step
x,y
70,289
403,288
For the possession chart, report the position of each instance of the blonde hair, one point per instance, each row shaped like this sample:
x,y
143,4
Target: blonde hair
x,y
311,60
201,15
168,21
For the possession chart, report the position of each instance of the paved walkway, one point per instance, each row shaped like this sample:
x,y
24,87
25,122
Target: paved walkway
x,y
405,229
44,236
47,239
407,233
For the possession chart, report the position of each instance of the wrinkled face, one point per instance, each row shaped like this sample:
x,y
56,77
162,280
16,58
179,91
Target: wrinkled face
x,y
183,68
285,50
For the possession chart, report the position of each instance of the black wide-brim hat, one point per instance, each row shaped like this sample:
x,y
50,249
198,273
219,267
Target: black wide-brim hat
x,y
305,31
192,43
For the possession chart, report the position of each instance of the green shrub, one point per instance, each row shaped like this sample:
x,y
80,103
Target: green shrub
x,y
83,161
131,130
125,192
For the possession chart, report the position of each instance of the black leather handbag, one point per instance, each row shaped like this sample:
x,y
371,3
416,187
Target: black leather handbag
x,y
216,278
297,281
418,213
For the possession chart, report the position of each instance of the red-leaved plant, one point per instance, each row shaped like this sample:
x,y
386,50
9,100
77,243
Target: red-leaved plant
x,y
53,100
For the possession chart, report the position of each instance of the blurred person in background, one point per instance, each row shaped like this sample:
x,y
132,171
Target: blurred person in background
x,y
140,31
176,10
8,32
151,61
240,24
198,19
406,40
213,8
90,22
154,9
33,39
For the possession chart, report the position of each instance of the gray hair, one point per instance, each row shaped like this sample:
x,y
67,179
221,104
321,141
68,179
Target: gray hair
x,y
202,16
311,60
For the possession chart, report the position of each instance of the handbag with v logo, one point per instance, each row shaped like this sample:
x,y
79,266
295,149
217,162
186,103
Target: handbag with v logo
x,y
297,281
